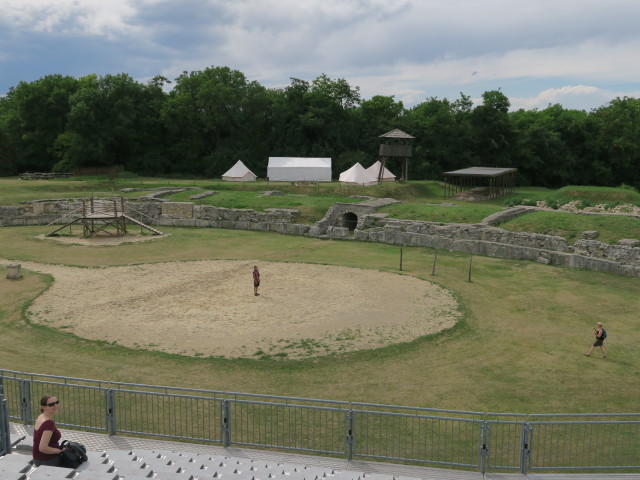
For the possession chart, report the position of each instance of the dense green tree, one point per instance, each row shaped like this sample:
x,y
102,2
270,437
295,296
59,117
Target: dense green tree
x,y
556,147
315,119
212,118
33,115
618,139
442,132
287,136
492,134
8,151
114,121
375,117
337,90
215,116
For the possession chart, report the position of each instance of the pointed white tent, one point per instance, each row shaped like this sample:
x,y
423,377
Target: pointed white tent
x,y
387,176
357,175
239,173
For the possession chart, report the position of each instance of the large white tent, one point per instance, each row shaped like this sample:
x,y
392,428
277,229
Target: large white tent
x,y
357,175
387,176
239,173
299,169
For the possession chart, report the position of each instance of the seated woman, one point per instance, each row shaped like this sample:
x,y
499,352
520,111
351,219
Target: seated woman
x,y
46,436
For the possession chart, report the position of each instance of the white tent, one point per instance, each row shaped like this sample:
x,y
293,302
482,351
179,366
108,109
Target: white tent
x,y
387,176
239,173
295,169
357,175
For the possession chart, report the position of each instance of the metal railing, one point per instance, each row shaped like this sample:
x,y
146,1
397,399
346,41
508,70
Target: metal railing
x,y
5,437
451,439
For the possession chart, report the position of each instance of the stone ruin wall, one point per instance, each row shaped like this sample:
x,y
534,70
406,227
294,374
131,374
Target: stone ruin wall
x,y
478,239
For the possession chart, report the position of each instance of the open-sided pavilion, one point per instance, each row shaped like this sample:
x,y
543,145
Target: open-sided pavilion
x,y
493,182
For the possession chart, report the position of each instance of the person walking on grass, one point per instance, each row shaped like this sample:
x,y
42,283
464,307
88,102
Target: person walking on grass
x,y
600,334
256,280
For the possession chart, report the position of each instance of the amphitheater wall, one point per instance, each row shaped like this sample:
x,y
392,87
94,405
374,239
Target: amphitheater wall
x,y
476,239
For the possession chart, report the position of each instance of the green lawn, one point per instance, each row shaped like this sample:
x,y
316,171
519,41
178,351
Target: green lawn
x,y
519,347
310,208
450,212
610,228
588,195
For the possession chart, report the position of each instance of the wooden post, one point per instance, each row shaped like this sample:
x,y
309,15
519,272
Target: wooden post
x,y
400,258
435,260
470,260
381,171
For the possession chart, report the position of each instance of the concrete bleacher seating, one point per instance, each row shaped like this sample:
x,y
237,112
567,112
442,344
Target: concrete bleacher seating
x,y
115,464
126,458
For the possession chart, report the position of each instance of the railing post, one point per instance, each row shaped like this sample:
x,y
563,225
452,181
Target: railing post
x,y
110,412
225,422
25,401
483,460
525,448
5,434
349,435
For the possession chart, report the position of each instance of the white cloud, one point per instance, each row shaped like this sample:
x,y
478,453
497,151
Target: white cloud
x,y
579,97
84,17
569,96
411,49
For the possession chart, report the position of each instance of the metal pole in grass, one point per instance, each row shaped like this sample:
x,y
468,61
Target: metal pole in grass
x,y
435,260
470,260
400,258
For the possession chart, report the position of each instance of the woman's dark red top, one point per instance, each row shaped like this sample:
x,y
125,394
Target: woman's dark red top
x,y
55,438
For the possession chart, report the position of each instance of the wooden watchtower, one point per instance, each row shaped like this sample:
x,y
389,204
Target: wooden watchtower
x,y
107,216
395,144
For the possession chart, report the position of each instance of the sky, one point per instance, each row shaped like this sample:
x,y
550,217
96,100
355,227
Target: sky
x,y
578,53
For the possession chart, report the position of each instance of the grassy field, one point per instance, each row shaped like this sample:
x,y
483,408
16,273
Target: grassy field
x,y
591,195
519,347
610,228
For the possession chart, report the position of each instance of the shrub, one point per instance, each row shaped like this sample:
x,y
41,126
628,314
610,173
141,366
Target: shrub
x,y
555,203
512,202
624,186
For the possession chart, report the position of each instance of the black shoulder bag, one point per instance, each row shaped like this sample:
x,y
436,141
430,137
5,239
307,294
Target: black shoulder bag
x,y
73,454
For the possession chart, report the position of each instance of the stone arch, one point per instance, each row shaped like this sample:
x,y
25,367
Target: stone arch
x,y
350,220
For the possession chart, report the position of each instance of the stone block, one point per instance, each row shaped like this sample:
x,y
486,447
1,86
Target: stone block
x,y
629,242
38,208
14,272
178,210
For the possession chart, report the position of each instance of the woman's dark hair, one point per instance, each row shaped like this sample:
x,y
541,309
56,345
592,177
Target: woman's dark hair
x,y
44,400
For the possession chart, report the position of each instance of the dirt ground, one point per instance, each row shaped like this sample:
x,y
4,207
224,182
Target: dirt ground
x,y
207,308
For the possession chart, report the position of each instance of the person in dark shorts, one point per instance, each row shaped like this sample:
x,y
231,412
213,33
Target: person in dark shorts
x,y
256,280
600,334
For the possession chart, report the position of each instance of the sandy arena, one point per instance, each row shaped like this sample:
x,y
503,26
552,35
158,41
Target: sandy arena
x,y
207,308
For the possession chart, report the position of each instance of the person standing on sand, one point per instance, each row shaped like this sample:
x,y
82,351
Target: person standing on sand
x,y
600,334
256,280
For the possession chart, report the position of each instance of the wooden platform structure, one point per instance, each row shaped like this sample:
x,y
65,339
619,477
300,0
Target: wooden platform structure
x,y
396,144
102,216
487,182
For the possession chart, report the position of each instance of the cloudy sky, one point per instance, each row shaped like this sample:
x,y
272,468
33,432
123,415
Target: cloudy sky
x,y
579,53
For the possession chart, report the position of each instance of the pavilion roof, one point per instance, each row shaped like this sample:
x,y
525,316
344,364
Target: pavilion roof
x,y
480,172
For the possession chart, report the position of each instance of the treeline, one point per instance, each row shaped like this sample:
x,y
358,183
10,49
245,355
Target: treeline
x,y
212,118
